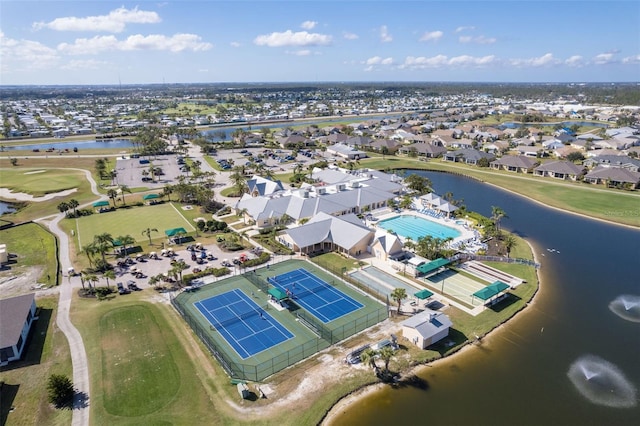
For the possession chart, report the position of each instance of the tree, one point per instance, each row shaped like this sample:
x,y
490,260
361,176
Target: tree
x,y
386,354
113,194
123,189
109,274
384,150
177,269
399,294
167,190
89,250
368,356
73,204
60,390
509,242
125,240
497,214
63,208
103,243
419,184
238,180
148,232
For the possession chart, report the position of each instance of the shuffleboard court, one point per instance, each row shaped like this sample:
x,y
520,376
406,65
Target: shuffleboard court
x,y
456,285
323,301
245,325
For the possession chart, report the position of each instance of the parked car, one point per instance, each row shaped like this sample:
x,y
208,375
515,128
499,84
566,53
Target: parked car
x,y
122,290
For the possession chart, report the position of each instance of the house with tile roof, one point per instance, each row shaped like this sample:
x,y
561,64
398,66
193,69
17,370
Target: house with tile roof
x,y
514,163
565,170
613,177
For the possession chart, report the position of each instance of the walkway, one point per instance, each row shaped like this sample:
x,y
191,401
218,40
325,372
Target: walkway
x,y
79,361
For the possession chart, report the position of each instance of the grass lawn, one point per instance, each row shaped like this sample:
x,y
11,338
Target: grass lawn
x,y
132,221
34,246
141,371
47,352
39,182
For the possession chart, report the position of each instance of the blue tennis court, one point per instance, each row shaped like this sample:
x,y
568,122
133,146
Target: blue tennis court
x,y
246,326
325,302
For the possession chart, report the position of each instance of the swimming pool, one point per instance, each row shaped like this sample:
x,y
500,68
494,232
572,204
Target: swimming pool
x,y
414,227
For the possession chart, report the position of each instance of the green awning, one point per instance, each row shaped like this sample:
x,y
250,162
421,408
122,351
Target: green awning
x,y
150,196
175,231
423,294
491,290
425,268
100,204
277,293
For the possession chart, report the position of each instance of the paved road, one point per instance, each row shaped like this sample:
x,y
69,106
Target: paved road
x,y
68,286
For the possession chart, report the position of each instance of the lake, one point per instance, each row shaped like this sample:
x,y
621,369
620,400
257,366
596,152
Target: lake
x,y
518,375
86,144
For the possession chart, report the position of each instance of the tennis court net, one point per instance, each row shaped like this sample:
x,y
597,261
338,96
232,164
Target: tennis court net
x,y
239,317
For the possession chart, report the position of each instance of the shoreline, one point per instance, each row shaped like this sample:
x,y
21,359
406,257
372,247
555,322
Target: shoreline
x,y
348,400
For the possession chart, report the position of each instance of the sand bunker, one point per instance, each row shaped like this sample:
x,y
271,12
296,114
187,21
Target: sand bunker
x,y
21,196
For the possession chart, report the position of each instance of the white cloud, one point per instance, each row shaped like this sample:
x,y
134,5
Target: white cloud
x,y
97,44
308,25
301,52
477,40
350,36
83,64
460,29
25,55
385,37
542,61
289,38
432,36
420,62
603,58
442,61
235,44
114,22
574,61
631,60
472,61
378,60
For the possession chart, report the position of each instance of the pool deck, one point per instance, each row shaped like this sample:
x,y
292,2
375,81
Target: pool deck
x,y
467,235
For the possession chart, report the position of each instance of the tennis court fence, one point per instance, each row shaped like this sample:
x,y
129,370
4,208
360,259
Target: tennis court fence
x,y
383,297
231,363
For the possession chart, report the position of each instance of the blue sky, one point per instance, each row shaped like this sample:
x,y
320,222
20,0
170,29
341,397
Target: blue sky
x,y
107,42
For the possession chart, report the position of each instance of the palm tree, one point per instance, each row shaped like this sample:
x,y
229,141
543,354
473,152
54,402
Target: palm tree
x,y
109,274
243,213
386,354
399,294
167,190
103,243
123,189
177,268
155,279
89,250
125,240
497,214
509,242
148,232
73,204
369,357
63,208
113,194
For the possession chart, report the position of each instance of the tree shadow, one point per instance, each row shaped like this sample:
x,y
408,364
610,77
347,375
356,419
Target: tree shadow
x,y
80,400
8,394
32,354
412,381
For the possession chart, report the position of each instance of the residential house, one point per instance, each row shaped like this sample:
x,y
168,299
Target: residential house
x,y
614,161
613,176
391,145
346,151
426,150
426,328
17,315
514,163
565,170
468,156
